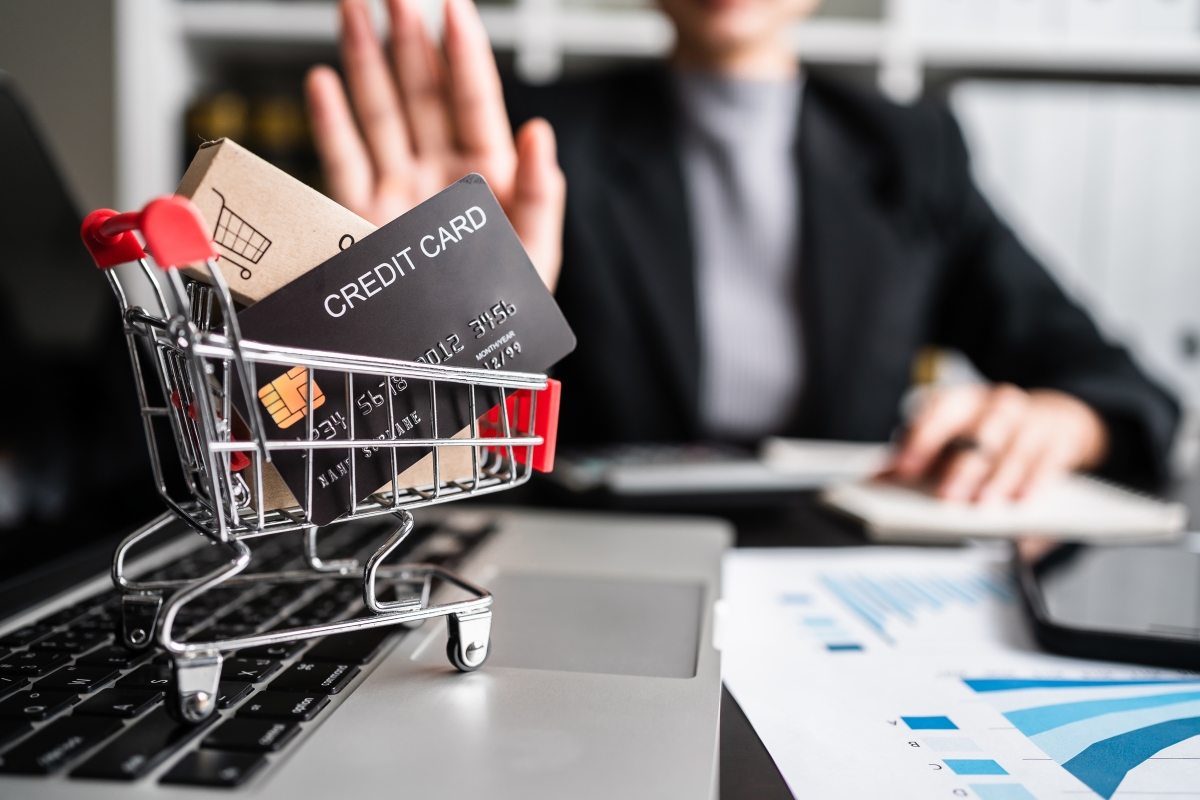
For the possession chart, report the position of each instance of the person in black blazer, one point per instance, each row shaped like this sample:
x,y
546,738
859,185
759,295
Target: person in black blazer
x,y
897,250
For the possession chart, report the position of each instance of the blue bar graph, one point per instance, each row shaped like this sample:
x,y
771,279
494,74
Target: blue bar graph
x,y
881,601
974,766
929,723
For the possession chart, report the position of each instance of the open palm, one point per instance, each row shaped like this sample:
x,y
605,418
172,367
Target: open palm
x,y
418,118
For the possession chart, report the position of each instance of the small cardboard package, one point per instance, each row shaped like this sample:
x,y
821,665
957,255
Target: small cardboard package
x,y
269,229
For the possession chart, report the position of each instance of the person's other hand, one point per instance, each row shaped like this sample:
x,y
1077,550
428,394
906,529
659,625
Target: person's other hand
x,y
987,442
417,120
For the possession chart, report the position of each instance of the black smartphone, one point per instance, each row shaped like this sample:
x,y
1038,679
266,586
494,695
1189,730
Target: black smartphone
x,y
1118,603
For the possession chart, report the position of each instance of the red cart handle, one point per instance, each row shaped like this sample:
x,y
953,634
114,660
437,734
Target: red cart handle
x,y
175,232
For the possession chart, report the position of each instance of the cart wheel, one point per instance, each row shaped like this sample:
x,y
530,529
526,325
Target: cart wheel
x,y
469,642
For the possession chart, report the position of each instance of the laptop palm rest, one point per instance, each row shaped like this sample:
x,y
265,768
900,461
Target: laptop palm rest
x,y
571,623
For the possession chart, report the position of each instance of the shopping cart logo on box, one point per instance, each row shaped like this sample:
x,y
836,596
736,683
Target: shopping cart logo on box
x,y
239,237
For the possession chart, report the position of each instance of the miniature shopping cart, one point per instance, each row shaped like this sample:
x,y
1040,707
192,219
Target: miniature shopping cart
x,y
192,345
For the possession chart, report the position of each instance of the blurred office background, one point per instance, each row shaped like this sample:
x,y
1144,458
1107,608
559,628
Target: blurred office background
x,y
1083,116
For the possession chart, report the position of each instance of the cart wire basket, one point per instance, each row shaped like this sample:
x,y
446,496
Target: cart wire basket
x,y
192,346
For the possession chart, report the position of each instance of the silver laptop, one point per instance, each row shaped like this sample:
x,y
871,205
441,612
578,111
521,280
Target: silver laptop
x,y
601,679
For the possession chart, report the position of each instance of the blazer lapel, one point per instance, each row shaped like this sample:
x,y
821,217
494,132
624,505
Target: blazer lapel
x,y
856,279
649,207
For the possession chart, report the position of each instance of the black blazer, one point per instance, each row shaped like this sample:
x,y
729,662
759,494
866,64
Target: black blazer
x,y
898,250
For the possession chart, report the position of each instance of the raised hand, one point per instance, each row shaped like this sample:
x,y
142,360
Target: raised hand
x,y
419,118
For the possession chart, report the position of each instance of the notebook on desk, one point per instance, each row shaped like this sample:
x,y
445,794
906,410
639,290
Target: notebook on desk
x,y
1077,508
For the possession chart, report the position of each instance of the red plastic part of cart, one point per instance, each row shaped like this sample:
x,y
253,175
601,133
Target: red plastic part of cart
x,y
175,232
108,251
545,423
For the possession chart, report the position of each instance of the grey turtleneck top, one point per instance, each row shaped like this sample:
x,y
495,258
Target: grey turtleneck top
x,y
742,181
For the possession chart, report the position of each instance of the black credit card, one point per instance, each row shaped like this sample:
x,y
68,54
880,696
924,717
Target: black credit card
x,y
446,283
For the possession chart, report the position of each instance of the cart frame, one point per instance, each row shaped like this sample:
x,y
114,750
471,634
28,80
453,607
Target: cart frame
x,y
194,348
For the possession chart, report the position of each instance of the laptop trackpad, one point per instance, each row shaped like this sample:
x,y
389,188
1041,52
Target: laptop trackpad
x,y
581,624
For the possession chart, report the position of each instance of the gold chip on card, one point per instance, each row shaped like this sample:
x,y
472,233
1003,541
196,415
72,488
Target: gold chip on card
x,y
285,398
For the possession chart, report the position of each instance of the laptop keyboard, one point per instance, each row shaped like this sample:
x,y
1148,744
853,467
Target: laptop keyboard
x,y
75,703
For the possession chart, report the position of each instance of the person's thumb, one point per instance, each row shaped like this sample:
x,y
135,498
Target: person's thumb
x,y
539,198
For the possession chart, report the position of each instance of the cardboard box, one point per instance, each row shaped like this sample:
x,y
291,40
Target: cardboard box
x,y
270,228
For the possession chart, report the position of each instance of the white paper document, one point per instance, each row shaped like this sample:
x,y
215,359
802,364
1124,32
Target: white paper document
x,y
909,673
1077,508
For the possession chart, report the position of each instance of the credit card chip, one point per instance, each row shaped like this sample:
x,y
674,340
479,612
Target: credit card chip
x,y
285,398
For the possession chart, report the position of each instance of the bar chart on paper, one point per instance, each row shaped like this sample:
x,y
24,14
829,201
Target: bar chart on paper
x,y
919,664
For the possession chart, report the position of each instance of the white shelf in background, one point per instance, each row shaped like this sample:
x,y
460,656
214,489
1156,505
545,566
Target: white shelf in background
x,y
226,20
576,31
1048,53
646,32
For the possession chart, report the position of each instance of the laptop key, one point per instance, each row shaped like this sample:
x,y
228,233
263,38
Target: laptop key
x,y
277,651
12,683
254,670
11,730
255,735
72,641
284,705
140,748
37,705
32,663
357,647
68,614
113,656
318,678
147,675
96,622
56,744
124,703
223,630
230,693
214,768
83,679
27,635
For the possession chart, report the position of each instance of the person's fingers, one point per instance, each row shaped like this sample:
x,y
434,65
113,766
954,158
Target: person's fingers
x,y
991,433
945,414
480,120
416,65
539,198
373,91
1002,415
342,152
962,475
1052,464
1012,467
